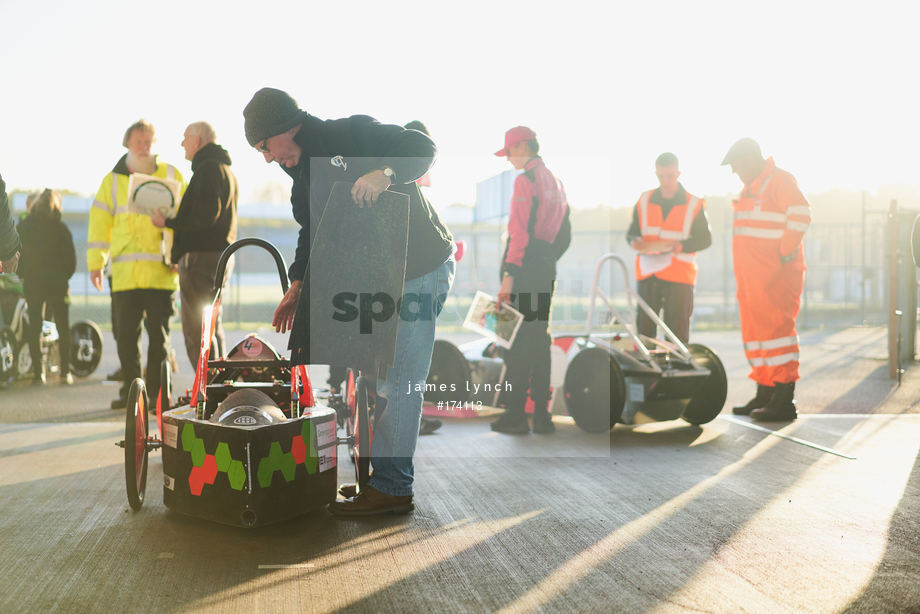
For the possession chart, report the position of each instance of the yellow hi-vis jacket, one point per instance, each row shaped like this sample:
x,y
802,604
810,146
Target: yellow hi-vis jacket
x,y
134,245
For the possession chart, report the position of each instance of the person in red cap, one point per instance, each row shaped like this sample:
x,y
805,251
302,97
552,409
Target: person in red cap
x,y
770,220
539,232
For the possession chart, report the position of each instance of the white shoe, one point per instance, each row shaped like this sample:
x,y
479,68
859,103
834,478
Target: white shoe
x,y
68,379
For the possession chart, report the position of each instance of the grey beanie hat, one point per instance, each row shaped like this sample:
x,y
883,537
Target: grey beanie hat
x,y
270,112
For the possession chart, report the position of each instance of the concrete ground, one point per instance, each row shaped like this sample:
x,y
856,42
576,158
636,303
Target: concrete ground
x,y
819,515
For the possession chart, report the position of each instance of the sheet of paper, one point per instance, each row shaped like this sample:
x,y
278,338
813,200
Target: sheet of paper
x,y
148,194
649,264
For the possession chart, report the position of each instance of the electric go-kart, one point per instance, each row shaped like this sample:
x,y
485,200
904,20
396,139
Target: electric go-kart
x,y
252,446
599,378
15,356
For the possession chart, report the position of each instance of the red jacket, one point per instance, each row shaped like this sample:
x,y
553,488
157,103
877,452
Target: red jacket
x,y
535,184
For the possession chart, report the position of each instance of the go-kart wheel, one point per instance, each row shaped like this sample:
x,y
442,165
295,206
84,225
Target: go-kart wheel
x,y
8,356
449,372
363,433
708,401
595,390
24,360
85,348
136,427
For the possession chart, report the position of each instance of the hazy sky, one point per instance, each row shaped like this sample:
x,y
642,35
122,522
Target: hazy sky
x,y
829,90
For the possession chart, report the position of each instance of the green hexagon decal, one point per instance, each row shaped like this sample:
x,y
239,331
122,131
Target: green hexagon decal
x,y
222,455
188,437
237,475
198,452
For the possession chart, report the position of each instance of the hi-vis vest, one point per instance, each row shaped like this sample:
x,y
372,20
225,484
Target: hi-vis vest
x,y
680,268
129,240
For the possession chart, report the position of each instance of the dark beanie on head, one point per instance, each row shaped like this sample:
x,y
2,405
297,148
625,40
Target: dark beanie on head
x,y
270,112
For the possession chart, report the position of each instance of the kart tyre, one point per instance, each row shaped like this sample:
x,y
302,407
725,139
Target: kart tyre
x,y
136,429
85,348
9,356
709,400
449,373
595,390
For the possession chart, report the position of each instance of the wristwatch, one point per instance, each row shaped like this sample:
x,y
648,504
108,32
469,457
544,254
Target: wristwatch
x,y
390,174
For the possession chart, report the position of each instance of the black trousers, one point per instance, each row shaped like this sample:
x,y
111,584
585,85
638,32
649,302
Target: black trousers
x,y
671,300
59,307
131,307
196,282
527,362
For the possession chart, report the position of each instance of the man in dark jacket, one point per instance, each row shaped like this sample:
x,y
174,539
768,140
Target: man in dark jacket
x,y
372,157
204,226
9,238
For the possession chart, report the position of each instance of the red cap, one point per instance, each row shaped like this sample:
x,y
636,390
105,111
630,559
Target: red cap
x,y
516,135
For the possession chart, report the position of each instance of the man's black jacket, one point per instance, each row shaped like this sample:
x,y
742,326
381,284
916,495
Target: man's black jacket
x,y
9,238
346,149
206,220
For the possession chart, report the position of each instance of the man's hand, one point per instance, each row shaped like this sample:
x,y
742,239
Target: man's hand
x,y
10,266
656,247
283,320
504,293
95,278
158,219
369,187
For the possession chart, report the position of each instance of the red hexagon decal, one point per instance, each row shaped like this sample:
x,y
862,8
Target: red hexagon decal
x,y
196,480
298,449
209,468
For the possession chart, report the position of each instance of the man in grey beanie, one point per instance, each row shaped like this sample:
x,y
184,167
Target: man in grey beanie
x,y
372,157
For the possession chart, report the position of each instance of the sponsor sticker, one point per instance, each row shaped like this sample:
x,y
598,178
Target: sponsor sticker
x,y
636,392
252,347
327,458
171,435
325,433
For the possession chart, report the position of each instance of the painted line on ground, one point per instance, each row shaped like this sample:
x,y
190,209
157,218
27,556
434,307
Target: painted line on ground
x,y
803,442
293,566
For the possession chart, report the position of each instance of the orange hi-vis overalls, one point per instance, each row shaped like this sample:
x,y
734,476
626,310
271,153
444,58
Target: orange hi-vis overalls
x,y
682,267
770,220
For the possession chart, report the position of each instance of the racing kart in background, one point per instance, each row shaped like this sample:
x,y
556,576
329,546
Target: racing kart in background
x,y
601,377
15,357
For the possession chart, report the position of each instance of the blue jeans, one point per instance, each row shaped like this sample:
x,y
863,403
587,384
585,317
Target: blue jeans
x,y
396,429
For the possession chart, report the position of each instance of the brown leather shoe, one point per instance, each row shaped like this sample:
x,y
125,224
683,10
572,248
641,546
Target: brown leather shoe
x,y
370,502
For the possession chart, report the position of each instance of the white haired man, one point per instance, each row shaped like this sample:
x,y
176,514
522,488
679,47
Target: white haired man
x,y
204,226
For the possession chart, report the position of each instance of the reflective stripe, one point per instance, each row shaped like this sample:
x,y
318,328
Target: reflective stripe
x,y
756,362
122,209
752,345
760,233
138,257
775,361
761,216
779,342
643,211
98,204
689,214
691,258
799,210
170,172
671,234
652,230
98,245
800,226
766,182
114,189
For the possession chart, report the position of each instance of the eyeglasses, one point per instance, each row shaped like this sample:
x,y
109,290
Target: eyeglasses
x,y
263,147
